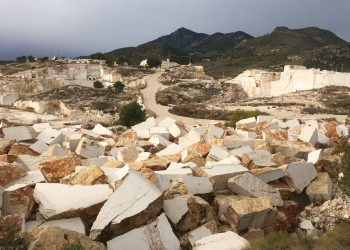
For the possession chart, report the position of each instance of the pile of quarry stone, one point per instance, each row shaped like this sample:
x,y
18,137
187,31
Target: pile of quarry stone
x,y
185,73
165,185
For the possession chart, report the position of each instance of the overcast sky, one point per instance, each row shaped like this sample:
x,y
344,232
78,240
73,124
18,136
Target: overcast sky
x,y
82,27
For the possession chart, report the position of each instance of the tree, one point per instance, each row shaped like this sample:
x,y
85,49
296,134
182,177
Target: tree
x,y
98,85
31,58
44,59
154,62
119,86
98,56
131,114
21,59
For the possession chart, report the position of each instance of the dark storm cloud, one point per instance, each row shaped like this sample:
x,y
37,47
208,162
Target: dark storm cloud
x,y
78,27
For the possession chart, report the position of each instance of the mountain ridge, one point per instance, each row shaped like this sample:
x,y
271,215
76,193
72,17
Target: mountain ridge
x,y
231,53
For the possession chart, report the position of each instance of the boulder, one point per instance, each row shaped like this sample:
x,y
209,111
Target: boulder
x,y
73,224
258,158
174,131
32,177
248,185
201,149
20,149
89,149
309,134
215,132
217,153
221,173
241,151
156,235
300,174
248,213
55,150
148,124
246,123
159,131
39,147
189,139
86,176
74,141
314,156
38,127
31,162
51,136
292,123
21,133
158,140
164,178
198,185
56,169
189,239
18,199
99,129
128,154
321,189
10,172
268,174
222,241
134,202
188,212
43,238
170,150
58,201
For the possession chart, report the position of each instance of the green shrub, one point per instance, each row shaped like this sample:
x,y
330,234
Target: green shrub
x,y
240,114
131,114
153,62
98,85
73,246
10,239
119,86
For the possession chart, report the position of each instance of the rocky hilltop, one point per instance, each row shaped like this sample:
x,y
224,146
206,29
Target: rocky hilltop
x,y
232,53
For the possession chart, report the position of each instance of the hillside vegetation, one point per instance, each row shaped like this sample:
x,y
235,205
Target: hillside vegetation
x,y
232,53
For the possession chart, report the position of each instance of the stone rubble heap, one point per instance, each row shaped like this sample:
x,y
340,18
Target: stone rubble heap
x,y
168,185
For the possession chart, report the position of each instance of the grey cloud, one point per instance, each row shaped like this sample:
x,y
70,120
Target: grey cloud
x,y
78,27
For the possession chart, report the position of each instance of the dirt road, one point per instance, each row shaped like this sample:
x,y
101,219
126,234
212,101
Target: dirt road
x,y
149,100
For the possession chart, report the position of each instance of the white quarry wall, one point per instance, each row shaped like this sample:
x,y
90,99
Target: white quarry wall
x,y
259,83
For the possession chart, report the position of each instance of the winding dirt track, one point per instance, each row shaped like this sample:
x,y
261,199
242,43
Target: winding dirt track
x,y
149,100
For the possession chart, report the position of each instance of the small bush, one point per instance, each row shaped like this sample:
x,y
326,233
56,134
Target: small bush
x,y
240,114
131,114
153,62
119,86
98,85
10,239
73,246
